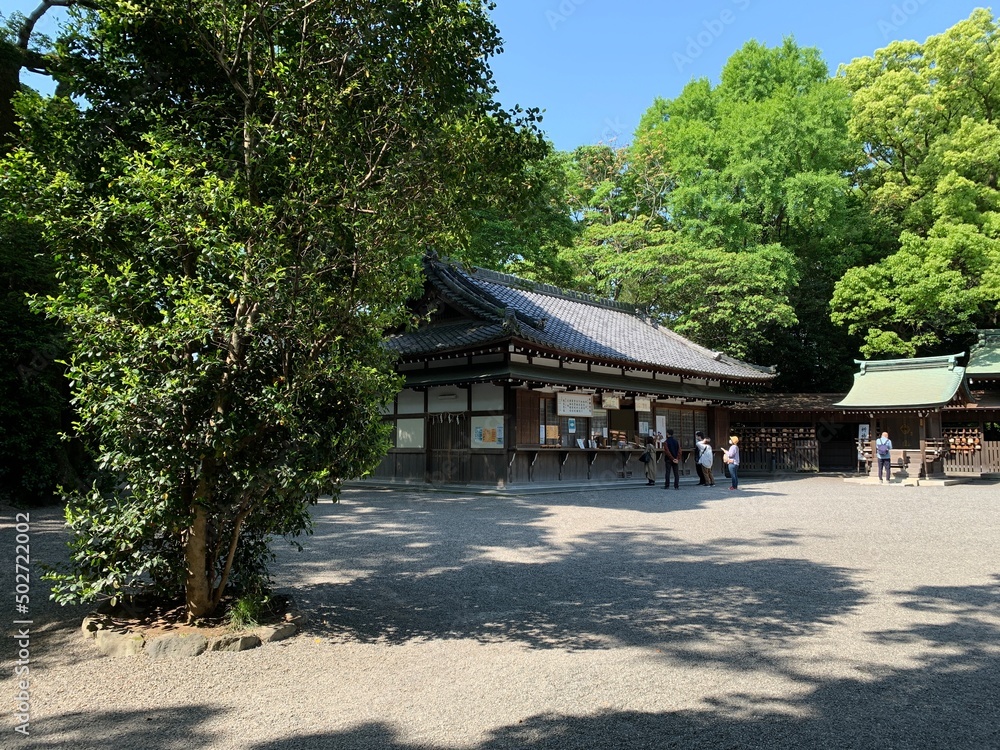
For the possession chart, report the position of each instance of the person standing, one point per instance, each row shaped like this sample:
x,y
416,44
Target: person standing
x,y
883,451
706,459
732,459
672,459
699,446
649,459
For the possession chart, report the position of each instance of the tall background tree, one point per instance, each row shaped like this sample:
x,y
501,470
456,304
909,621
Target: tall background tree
x,y
237,216
732,214
927,115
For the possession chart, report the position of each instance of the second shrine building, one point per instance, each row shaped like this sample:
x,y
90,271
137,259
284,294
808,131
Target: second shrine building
x,y
512,382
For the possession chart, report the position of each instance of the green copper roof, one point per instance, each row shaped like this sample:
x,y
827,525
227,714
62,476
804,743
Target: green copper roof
x,y
984,360
899,384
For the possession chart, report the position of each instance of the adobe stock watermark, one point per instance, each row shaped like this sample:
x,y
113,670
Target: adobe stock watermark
x,y
22,623
562,12
711,30
613,131
901,13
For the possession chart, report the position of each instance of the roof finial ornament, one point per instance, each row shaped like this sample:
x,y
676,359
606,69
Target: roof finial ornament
x,y
510,320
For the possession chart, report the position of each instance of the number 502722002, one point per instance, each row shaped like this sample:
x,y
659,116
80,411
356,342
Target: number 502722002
x,y
22,562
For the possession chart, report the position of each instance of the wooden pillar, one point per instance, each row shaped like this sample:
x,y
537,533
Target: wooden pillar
x,y
509,432
872,437
428,462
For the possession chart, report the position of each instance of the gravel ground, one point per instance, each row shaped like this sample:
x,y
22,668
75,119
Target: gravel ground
x,y
795,614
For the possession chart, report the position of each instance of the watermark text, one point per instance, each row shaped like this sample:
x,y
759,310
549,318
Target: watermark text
x,y
22,624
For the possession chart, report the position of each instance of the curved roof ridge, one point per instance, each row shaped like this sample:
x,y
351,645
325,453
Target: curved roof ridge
x,y
472,297
577,324
539,287
918,383
913,363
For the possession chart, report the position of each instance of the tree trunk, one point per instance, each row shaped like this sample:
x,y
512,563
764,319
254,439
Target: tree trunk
x,y
198,590
10,70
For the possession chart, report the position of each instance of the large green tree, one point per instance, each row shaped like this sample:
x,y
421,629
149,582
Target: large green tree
x,y
732,214
237,216
928,117
763,159
521,225
628,250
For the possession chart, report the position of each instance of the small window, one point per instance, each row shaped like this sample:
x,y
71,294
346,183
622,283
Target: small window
x,y
410,433
561,431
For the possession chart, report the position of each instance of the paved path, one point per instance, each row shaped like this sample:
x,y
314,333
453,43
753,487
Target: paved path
x,y
799,614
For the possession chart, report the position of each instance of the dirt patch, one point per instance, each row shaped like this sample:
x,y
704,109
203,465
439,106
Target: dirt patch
x,y
152,619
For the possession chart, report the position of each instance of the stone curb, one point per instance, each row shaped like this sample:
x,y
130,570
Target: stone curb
x,y
116,641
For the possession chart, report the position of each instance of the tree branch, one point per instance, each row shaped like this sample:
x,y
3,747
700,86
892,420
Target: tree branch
x,y
233,543
29,25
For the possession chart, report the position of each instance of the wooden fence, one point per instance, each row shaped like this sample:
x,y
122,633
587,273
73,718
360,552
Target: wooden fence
x,y
983,459
798,455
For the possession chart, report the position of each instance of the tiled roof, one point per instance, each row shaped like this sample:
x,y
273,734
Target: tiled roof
x,y
984,360
447,336
789,402
983,400
499,305
894,384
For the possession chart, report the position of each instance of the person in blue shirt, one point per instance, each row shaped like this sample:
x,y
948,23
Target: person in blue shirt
x,y
883,452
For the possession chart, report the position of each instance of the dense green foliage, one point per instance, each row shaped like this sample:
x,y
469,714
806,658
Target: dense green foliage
x,y
720,298
927,114
731,215
796,218
236,218
33,396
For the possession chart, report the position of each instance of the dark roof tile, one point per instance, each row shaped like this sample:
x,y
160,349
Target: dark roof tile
x,y
564,321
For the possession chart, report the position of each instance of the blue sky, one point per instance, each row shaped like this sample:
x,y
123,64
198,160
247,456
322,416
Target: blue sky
x,y
595,66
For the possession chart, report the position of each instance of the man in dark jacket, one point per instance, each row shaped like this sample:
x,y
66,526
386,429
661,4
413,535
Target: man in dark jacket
x,y
672,458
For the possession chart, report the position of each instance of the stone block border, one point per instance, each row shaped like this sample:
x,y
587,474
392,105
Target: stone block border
x,y
112,639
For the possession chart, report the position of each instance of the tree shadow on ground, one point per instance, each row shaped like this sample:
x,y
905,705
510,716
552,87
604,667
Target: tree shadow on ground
x,y
651,499
409,573
180,728
599,598
946,701
659,591
949,699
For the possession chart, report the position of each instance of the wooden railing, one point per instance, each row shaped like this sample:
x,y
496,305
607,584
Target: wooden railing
x,y
983,458
802,455
991,457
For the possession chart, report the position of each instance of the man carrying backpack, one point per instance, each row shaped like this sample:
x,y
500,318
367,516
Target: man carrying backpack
x,y
883,452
